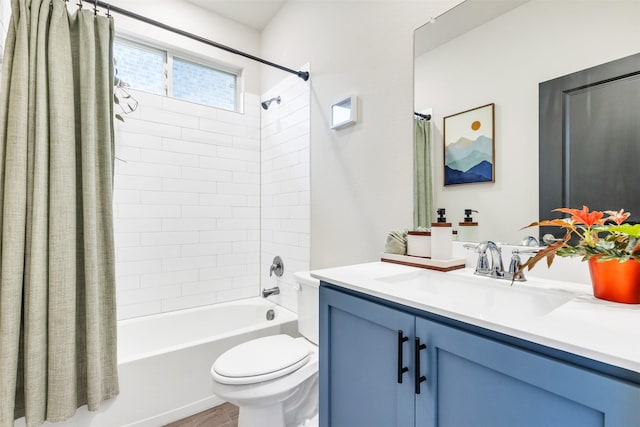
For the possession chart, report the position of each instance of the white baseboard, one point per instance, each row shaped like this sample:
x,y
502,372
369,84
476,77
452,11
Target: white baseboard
x,y
179,413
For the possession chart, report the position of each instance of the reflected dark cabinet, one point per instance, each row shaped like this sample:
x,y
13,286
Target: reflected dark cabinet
x,y
589,140
382,365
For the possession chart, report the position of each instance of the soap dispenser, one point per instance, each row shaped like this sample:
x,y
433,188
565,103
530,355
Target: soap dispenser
x,y
441,237
468,231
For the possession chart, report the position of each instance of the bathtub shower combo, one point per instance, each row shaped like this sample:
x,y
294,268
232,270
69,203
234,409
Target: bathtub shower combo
x,y
164,360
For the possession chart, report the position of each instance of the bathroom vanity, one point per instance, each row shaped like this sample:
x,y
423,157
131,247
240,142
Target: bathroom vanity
x,y
402,346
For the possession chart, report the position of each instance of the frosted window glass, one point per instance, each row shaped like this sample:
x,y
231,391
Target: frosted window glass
x,y
205,85
142,69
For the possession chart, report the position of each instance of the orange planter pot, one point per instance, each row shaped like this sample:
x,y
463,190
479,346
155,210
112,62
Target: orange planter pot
x,y
616,281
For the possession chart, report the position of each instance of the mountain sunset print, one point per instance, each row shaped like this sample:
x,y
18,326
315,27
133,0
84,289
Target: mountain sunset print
x,y
468,146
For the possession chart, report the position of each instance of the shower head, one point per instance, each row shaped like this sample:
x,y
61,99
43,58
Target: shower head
x,y
266,104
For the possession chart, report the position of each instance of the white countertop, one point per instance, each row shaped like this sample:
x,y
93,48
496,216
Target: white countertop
x,y
561,315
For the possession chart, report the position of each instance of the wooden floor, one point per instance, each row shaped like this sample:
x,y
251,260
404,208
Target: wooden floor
x,y
225,415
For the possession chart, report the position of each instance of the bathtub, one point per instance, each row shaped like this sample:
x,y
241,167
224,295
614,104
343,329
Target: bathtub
x,y
164,361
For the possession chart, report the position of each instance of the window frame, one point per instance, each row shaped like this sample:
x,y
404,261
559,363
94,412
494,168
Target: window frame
x,y
170,52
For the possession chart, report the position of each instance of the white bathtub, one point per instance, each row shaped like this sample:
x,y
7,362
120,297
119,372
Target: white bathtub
x,y
164,361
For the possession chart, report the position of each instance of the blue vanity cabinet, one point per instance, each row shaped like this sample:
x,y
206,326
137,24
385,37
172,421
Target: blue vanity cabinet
x,y
472,380
456,376
360,345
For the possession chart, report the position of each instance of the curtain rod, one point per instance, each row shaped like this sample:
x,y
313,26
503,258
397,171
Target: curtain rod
x,y
304,75
423,116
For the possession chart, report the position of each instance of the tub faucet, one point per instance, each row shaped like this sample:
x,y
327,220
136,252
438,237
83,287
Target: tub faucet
x,y
271,291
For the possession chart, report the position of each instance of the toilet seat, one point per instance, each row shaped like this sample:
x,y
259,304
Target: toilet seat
x,y
262,359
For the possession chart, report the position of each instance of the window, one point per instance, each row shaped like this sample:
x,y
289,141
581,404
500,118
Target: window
x,y
141,68
206,85
162,72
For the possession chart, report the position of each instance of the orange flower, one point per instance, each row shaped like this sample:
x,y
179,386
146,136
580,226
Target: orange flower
x,y
588,235
618,216
583,216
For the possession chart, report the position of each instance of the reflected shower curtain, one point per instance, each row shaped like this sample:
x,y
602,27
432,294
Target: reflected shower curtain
x,y
423,191
57,286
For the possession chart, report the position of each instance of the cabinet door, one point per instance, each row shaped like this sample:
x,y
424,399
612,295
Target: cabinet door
x,y
359,363
475,381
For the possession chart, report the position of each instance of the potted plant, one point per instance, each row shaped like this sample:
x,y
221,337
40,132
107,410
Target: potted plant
x,y
606,242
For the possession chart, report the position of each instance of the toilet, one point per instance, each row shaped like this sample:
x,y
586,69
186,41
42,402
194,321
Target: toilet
x,y
274,379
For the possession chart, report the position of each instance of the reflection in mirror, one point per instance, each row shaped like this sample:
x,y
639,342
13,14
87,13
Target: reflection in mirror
x,y
501,58
422,189
589,129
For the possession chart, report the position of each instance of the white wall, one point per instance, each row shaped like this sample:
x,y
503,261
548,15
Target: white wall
x,y
186,205
361,176
187,200
502,62
285,187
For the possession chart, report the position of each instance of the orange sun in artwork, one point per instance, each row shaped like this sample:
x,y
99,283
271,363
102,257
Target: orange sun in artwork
x,y
475,125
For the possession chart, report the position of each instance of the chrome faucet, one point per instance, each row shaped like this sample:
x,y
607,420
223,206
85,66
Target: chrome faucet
x,y
489,260
271,291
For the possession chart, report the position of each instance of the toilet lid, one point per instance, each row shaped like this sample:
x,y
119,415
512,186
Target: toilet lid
x,y
261,359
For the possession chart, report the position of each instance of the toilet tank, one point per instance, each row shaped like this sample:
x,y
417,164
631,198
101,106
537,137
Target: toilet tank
x,y
308,306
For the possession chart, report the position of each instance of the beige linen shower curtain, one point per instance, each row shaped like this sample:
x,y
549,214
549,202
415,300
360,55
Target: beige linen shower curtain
x,y
57,296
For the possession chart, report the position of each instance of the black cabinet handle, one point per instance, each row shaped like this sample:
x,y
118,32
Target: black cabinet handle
x,y
401,369
416,377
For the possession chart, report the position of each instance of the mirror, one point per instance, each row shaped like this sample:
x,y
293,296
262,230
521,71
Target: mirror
x,y
485,51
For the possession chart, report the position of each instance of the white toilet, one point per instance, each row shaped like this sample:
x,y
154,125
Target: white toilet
x,y
274,379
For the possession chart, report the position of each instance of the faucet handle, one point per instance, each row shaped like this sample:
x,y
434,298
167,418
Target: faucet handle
x,y
470,246
277,266
550,239
515,271
516,274
529,241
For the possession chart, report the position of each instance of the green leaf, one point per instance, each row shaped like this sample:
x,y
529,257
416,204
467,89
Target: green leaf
x,y
119,117
629,229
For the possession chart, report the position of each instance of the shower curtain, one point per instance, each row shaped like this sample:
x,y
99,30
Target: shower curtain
x,y
423,191
57,286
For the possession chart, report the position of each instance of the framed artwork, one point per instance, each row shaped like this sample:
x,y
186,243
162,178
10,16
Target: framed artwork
x,y
469,146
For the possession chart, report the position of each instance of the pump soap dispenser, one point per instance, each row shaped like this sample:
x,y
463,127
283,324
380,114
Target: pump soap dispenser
x,y
468,231
441,237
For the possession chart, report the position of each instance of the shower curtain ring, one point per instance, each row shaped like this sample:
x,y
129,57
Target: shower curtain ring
x,y
95,7
79,4
108,10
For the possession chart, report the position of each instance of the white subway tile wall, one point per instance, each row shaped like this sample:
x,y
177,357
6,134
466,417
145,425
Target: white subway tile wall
x,y
285,190
186,205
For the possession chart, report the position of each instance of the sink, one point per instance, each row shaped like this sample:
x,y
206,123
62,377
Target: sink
x,y
479,297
